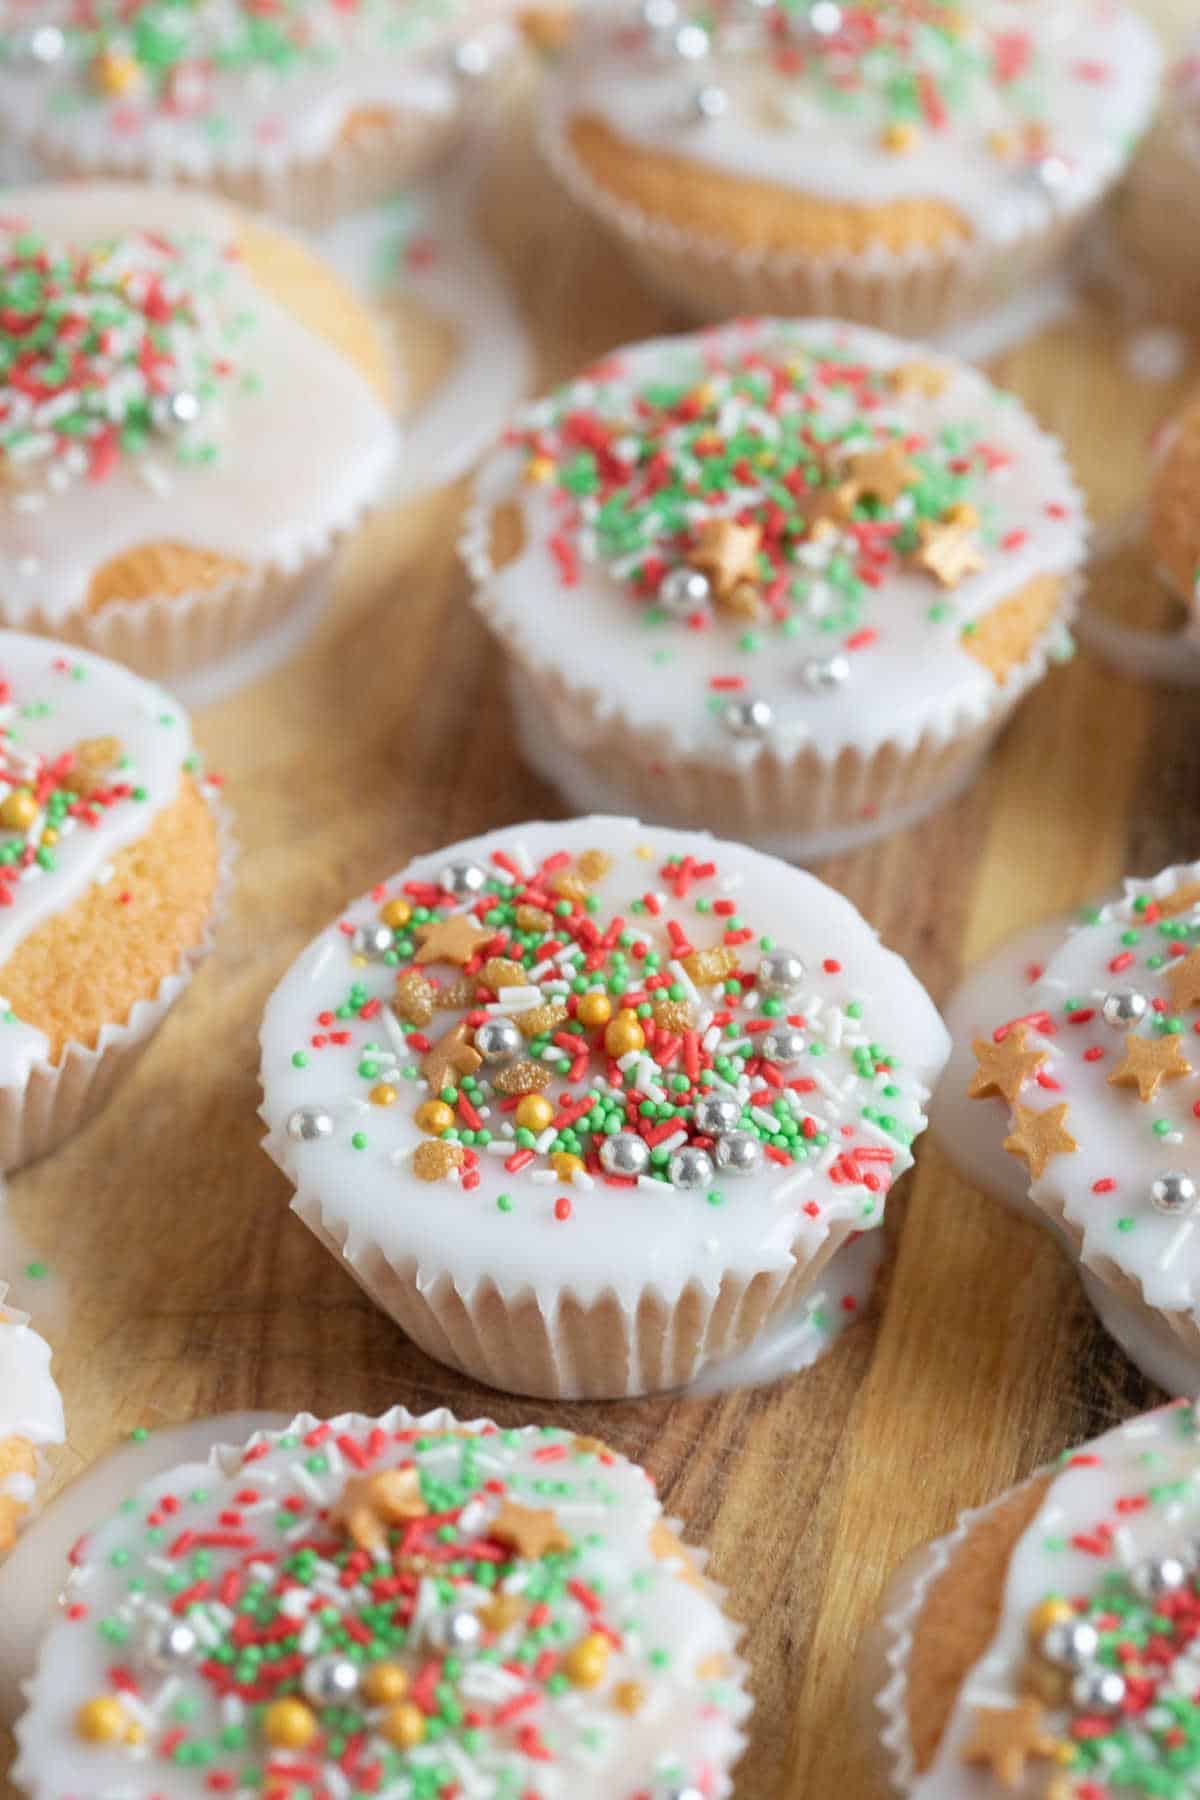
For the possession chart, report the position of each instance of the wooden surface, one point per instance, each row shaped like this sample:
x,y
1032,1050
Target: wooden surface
x,y
187,1288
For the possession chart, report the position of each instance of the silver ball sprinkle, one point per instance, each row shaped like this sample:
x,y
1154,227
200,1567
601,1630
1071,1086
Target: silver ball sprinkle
x,y
1123,1008
709,102
372,941
498,1040
329,1680
779,973
625,1154
1173,1193
309,1122
40,47
456,1629
683,1793
691,42
825,674
714,1114
749,718
1052,174
463,879
1069,1645
1158,1575
738,1153
683,591
170,1644
1098,1690
824,18
690,1167
782,1044
472,59
178,411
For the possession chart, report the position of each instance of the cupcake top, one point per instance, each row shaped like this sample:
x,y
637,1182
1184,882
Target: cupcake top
x,y
1088,1687
221,85
90,755
794,534
403,1606
159,391
1102,1075
997,113
627,1057
31,1414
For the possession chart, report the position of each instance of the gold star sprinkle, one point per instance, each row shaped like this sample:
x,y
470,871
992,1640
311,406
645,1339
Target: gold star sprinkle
x,y
881,473
1148,1063
451,1057
1183,979
1008,1737
1005,1067
728,554
531,1531
1038,1136
454,939
922,378
370,1504
949,553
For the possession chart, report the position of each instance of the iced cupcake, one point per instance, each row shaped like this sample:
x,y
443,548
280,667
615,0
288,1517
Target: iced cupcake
x,y
905,163
31,1419
1102,1083
1158,212
1047,1646
397,1605
1173,530
785,580
588,1106
194,413
307,111
111,858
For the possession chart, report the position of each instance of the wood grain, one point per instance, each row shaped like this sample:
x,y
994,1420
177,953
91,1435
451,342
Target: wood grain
x,y
191,1289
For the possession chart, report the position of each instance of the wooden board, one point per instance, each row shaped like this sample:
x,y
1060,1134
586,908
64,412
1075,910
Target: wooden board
x,y
191,1290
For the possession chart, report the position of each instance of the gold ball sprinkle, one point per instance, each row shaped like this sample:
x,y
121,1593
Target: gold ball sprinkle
x,y
434,1116
383,1095
404,1725
386,1682
102,1720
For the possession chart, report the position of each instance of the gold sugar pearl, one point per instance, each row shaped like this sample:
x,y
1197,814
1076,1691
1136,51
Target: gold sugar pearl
x,y
290,1725
386,1682
624,1034
534,1112
383,1095
899,138
594,1009
565,1165
102,1720
404,1725
586,1663
629,1696
434,1116
395,913
18,810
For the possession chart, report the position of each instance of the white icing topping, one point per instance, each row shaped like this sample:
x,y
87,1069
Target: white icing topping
x,y
1124,1143
1090,78
623,1238
1129,1496
211,116
57,698
30,1403
672,1639
909,674
298,456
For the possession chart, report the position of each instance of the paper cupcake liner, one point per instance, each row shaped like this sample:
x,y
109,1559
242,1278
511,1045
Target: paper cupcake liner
x,y
1141,1327
170,639
884,1661
27,1505
560,1346
59,1098
346,177
816,800
916,293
